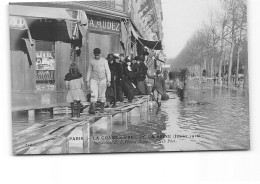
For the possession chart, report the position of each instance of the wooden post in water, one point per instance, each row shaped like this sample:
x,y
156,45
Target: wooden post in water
x,y
124,119
86,137
129,115
31,115
51,111
109,124
144,111
147,104
141,110
67,109
67,145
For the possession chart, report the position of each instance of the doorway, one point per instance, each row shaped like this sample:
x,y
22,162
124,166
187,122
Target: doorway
x,y
101,41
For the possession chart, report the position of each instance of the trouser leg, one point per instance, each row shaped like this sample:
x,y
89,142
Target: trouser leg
x,y
94,96
102,90
94,86
119,93
158,97
72,109
147,90
102,93
78,109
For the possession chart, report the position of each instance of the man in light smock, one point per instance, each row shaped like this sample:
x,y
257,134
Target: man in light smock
x,y
98,78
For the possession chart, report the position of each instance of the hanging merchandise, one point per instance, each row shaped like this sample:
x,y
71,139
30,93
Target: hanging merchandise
x,y
134,33
75,34
83,24
123,35
30,46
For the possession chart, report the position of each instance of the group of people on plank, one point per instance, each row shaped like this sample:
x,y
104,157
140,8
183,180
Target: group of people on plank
x,y
110,80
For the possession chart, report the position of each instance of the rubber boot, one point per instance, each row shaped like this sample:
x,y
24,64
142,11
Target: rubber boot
x,y
114,105
72,109
102,107
159,104
107,105
78,109
92,108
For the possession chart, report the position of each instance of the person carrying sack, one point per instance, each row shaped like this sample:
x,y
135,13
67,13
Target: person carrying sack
x,y
159,89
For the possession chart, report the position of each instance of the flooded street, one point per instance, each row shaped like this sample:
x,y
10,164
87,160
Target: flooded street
x,y
222,123
218,122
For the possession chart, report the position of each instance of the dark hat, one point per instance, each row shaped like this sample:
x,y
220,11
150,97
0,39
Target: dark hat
x,y
97,51
110,56
116,56
158,72
137,58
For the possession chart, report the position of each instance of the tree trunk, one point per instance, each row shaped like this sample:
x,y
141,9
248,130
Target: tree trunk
x,y
230,63
211,69
238,58
224,66
221,52
205,63
246,76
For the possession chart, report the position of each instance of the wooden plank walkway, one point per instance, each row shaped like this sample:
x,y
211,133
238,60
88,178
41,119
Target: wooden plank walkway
x,y
56,136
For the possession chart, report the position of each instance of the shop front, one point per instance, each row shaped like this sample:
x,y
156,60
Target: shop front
x,y
40,48
43,46
103,33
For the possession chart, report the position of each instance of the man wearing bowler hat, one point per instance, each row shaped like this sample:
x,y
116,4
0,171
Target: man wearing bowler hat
x,y
98,78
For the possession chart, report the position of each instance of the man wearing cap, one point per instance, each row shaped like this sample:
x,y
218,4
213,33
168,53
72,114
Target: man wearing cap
x,y
98,78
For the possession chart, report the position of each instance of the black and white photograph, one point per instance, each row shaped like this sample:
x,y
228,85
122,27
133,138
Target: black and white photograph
x,y
130,91
119,76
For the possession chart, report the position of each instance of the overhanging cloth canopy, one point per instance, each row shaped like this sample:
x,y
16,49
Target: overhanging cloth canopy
x,y
40,12
155,45
31,50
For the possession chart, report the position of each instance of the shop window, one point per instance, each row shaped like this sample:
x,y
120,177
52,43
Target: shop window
x,y
45,65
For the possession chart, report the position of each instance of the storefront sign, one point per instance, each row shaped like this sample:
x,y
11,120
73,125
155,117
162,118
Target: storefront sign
x,y
45,75
16,22
103,24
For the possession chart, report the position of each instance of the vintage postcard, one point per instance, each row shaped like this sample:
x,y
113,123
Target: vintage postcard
x,y
124,76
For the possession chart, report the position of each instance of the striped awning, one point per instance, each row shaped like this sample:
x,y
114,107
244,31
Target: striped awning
x,y
40,12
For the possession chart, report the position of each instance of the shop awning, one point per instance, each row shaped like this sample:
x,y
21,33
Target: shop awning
x,y
160,60
155,45
40,12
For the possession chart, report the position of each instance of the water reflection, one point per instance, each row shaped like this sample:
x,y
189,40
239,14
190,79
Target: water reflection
x,y
220,124
20,120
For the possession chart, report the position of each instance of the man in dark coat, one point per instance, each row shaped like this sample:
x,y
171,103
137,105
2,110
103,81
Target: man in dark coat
x,y
114,92
141,72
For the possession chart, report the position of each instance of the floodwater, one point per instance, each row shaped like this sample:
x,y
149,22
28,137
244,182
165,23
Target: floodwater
x,y
220,121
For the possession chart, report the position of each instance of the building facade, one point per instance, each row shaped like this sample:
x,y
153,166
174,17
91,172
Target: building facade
x,y
46,37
